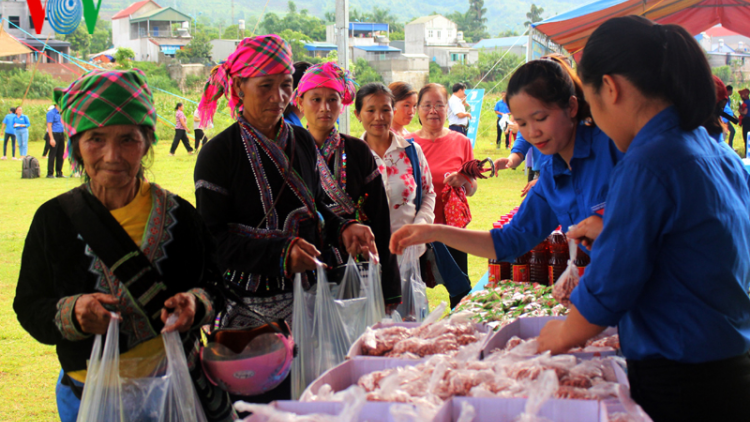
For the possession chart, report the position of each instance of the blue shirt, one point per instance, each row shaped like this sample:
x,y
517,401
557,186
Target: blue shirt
x,y
292,119
23,120
522,147
502,107
671,266
561,197
8,122
53,116
727,110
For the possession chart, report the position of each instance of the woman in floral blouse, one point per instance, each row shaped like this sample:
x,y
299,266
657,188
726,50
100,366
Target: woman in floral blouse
x,y
374,108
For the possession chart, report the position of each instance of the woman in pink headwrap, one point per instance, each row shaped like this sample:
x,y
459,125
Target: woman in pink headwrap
x,y
350,178
258,189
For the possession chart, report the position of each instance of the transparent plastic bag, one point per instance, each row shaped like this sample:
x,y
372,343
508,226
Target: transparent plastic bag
x,y
540,391
568,279
414,305
324,329
160,397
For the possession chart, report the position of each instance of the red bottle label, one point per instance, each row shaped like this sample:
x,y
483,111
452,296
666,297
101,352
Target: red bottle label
x,y
494,273
521,273
581,270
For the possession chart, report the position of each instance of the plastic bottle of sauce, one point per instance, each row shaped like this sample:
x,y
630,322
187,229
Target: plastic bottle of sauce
x,y
538,263
582,260
558,256
521,268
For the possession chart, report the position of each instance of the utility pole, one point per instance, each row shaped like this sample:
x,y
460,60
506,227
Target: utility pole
x,y
342,45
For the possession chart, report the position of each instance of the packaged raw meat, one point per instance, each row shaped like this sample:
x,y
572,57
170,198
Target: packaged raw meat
x,y
569,279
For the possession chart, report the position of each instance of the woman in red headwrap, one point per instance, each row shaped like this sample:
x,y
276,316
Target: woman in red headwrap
x,y
350,178
258,189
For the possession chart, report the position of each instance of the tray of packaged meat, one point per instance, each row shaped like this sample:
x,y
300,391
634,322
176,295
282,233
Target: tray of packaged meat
x,y
290,411
409,340
522,331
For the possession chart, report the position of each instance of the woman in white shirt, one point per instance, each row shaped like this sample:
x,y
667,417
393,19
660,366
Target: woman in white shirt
x,y
374,108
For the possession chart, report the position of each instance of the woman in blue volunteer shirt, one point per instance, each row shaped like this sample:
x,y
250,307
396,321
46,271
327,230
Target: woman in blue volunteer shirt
x,y
502,110
547,103
669,263
21,126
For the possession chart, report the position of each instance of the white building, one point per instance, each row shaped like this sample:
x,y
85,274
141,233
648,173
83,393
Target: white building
x,y
439,38
222,49
146,28
18,23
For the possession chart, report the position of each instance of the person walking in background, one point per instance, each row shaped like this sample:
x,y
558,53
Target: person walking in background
x,y
458,118
180,131
729,110
503,120
200,135
405,108
10,133
56,134
744,117
21,125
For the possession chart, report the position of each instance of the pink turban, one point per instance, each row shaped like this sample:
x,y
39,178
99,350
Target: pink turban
x,y
327,75
256,56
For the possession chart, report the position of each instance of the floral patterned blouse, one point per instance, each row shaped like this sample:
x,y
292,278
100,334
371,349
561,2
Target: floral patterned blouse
x,y
401,188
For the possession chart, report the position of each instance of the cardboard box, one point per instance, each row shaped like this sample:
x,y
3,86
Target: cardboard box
x,y
355,351
525,328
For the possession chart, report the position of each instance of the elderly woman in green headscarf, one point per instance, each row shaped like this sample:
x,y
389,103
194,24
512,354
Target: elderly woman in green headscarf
x,y
117,243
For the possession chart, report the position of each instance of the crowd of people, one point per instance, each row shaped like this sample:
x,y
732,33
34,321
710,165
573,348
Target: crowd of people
x,y
273,199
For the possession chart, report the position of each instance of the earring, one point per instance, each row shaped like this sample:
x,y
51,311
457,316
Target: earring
x,y
241,94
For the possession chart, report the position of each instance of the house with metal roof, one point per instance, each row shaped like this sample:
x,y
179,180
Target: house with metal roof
x,y
147,29
439,38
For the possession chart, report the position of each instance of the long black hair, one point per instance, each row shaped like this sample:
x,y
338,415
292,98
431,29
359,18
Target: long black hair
x,y
662,61
550,80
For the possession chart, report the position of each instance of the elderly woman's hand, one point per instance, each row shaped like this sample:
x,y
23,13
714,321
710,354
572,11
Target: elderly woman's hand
x,y
90,312
184,307
302,257
359,239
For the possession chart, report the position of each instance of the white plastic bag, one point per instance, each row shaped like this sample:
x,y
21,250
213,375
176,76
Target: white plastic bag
x,y
414,305
541,390
165,396
324,328
569,278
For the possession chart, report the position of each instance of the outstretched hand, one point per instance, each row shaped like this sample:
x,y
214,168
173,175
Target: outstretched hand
x,y
411,234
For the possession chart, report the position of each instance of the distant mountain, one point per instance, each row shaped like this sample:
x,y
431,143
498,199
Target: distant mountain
x,y
501,14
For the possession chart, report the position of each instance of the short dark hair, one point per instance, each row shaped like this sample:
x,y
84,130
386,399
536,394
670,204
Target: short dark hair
x,y
662,61
148,134
371,89
401,90
299,69
13,110
458,86
177,107
730,88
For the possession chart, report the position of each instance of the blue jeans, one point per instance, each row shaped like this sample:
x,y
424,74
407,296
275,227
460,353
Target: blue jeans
x,y
22,135
67,402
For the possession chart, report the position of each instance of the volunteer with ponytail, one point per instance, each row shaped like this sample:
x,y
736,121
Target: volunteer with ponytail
x,y
669,262
349,176
547,102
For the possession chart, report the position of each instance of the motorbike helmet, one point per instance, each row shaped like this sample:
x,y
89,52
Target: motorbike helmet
x,y
249,362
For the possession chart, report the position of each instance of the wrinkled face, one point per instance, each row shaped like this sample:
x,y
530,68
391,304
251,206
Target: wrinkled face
x,y
433,109
405,110
112,155
376,114
321,107
546,126
265,98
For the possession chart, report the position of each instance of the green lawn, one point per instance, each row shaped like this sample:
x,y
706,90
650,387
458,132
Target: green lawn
x,y
29,370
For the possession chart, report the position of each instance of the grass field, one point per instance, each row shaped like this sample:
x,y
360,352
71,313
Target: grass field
x,y
29,370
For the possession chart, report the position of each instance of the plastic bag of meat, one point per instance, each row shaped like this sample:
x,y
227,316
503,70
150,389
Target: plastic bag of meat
x,y
569,279
414,305
541,391
353,398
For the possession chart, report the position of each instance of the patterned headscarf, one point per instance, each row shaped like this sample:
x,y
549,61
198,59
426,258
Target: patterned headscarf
x,y
257,56
327,75
98,99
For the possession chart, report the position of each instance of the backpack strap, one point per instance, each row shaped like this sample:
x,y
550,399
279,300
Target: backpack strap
x,y
411,152
112,244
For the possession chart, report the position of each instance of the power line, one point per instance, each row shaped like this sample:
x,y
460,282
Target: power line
x,y
501,58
